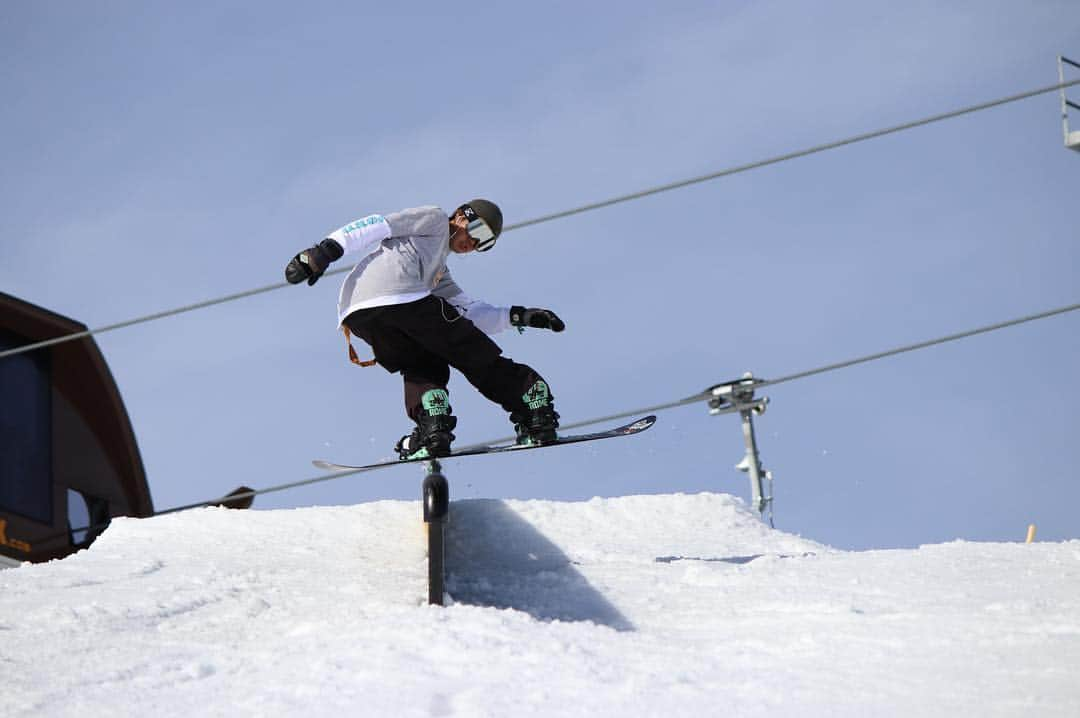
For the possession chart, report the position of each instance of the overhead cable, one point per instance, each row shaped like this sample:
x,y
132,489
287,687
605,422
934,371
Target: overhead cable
x,y
703,395
794,155
139,320
583,208
921,345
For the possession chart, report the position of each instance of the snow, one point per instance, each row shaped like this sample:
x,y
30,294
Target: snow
x,y
640,605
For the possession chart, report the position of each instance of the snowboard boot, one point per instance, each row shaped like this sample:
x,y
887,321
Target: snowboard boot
x,y
537,422
432,436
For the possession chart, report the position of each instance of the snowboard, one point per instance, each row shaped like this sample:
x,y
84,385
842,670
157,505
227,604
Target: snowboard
x,y
634,427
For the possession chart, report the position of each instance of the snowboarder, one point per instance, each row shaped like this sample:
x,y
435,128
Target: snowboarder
x,y
401,299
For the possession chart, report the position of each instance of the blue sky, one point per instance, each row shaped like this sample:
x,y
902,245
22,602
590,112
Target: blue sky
x,y
156,155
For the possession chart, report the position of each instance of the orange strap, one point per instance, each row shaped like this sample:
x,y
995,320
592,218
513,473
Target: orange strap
x,y
352,352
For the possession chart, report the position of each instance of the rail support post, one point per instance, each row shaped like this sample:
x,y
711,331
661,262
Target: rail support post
x,y
436,499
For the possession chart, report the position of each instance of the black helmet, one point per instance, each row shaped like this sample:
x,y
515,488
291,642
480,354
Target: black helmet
x,y
490,213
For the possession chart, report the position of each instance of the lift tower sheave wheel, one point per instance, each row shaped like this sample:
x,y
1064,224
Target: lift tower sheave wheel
x,y
1072,138
436,497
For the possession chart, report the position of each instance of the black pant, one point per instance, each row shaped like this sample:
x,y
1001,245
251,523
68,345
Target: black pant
x,y
423,339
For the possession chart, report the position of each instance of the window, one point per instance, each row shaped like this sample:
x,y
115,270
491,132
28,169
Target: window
x,y
25,432
87,517
78,513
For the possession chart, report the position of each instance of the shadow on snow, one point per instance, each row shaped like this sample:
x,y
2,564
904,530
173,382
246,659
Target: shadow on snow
x,y
730,559
496,558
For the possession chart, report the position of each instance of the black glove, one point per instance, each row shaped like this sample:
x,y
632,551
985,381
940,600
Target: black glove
x,y
539,318
312,262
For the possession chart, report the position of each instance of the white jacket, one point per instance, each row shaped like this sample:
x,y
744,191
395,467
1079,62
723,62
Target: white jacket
x,y
402,258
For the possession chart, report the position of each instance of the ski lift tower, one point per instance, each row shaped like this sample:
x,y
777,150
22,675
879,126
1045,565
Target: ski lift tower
x,y
1072,139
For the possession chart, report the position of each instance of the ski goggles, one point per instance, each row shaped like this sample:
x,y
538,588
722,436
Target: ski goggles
x,y
478,229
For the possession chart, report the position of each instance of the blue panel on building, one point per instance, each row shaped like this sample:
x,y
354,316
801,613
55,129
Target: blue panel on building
x,y
25,433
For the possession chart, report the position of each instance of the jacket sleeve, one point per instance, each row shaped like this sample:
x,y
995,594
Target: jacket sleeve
x,y
363,236
487,318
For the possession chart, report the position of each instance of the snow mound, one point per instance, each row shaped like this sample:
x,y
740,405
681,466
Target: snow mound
x,y
641,605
